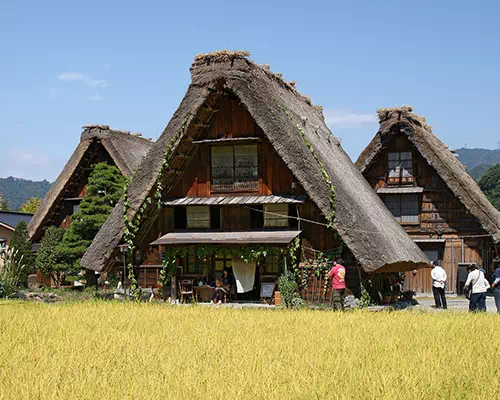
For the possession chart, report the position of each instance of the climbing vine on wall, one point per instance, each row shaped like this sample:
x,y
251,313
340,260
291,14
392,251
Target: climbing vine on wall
x,y
132,225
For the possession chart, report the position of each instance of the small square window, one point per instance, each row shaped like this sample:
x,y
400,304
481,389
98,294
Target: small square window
x,y
198,217
276,215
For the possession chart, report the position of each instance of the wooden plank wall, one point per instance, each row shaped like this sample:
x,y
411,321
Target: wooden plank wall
x,y
480,251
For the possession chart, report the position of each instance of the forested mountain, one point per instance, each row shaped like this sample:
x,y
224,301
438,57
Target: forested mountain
x,y
478,161
16,191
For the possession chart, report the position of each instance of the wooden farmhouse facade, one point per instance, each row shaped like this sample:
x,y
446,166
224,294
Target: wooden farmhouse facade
x,y
247,170
98,143
8,223
430,193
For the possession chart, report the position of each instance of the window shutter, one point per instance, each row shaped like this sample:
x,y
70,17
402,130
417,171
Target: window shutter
x,y
198,217
276,215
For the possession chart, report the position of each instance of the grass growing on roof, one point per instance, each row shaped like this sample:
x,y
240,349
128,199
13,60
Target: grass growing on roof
x,y
98,350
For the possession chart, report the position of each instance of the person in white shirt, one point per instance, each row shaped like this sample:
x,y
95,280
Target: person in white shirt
x,y
477,281
438,275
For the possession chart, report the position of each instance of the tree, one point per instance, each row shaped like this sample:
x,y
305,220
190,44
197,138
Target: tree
x,y
31,206
48,259
21,244
3,204
490,185
104,189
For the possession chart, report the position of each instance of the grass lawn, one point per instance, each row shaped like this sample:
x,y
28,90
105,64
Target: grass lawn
x,y
108,350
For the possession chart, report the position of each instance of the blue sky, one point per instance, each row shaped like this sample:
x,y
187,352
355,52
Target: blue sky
x,y
65,64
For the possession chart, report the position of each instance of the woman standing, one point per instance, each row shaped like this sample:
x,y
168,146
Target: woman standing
x,y
477,283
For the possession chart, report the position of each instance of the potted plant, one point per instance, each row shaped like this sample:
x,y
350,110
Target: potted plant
x,y
395,297
386,297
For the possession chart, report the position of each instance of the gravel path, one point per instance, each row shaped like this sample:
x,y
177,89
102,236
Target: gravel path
x,y
455,303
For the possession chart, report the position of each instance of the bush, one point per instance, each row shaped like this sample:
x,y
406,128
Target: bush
x,y
11,270
289,291
22,247
48,259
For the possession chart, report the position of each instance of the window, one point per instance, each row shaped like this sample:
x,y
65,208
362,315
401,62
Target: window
x,y
180,218
198,217
272,265
221,263
276,215
400,167
432,255
403,207
76,208
3,244
235,168
195,265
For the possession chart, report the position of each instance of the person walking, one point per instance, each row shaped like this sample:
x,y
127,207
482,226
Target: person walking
x,y
438,275
496,286
337,273
477,283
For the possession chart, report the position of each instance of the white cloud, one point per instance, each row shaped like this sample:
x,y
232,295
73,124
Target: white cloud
x,y
96,97
81,77
346,118
27,158
28,164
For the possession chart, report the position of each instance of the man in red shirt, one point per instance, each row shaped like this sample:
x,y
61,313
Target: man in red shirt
x,y
337,274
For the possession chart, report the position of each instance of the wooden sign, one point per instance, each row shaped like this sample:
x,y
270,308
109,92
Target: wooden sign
x,y
267,289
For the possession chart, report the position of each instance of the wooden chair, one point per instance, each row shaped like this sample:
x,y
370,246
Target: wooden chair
x,y
186,289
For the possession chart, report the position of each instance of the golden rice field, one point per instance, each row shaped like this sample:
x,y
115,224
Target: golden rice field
x,y
98,350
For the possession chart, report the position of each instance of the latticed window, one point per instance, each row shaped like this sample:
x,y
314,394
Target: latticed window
x,y
404,207
272,265
276,215
198,217
400,167
235,168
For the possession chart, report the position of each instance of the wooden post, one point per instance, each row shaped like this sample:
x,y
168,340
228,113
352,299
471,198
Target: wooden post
x,y
173,289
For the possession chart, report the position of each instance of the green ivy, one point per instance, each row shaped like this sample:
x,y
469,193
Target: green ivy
x,y
132,225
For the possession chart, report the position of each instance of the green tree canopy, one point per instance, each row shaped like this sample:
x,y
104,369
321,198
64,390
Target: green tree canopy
x,y
104,189
31,206
48,259
21,245
3,204
490,185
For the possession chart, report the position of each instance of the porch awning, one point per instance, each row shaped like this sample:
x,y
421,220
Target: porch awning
x,y
233,200
237,237
429,240
400,190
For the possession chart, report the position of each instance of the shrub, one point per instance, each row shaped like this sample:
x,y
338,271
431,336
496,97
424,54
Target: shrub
x,y
48,259
22,247
289,291
11,270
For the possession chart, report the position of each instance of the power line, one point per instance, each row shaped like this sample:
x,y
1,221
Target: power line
x,y
352,229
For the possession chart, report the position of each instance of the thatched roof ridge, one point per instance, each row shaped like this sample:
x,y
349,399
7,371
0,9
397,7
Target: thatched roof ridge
x,y
298,133
450,169
126,150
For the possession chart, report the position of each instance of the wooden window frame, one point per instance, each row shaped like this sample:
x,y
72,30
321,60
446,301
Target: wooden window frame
x,y
401,208
234,189
399,180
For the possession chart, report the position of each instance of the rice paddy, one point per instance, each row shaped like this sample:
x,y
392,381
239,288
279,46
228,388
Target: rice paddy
x,y
107,350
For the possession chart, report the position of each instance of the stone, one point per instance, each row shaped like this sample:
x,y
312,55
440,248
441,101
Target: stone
x,y
33,283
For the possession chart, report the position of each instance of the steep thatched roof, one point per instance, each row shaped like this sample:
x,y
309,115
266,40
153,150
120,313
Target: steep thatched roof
x,y
126,150
401,120
297,131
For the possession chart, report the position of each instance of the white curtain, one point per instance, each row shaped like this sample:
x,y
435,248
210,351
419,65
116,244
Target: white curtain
x,y
244,274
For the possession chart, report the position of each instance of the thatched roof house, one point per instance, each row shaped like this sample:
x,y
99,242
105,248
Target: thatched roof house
x,y
97,143
395,121
298,133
